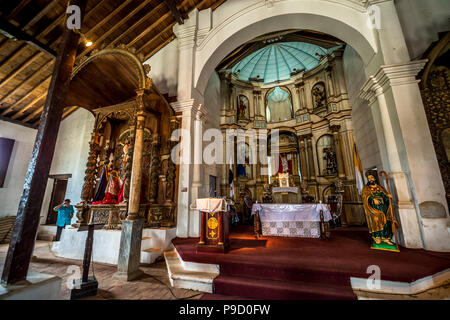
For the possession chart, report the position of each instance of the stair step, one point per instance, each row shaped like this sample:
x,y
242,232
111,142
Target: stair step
x,y
149,256
254,288
186,279
46,237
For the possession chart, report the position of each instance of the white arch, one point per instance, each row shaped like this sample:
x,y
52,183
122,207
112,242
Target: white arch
x,y
344,20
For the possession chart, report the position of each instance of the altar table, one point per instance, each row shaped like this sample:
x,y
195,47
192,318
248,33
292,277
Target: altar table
x,y
291,220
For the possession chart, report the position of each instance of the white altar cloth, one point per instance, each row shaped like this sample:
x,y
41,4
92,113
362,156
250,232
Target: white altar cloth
x,y
211,204
291,212
284,189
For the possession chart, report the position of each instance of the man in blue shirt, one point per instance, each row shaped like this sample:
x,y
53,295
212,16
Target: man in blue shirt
x,y
65,214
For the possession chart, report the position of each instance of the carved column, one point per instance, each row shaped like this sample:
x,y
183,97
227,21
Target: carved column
x,y
312,171
136,171
155,168
337,146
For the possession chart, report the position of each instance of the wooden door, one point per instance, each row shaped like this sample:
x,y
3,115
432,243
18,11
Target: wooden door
x,y
58,195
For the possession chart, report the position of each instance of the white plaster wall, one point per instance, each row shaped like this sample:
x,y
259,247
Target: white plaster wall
x,y
362,120
164,68
421,21
71,152
15,177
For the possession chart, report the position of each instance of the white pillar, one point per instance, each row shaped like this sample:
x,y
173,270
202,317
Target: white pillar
x,y
409,156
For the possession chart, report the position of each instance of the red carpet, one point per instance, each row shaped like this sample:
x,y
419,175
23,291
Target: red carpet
x,y
297,268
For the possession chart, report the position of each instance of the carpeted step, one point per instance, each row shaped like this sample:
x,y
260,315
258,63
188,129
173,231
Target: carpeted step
x,y
213,296
282,272
254,288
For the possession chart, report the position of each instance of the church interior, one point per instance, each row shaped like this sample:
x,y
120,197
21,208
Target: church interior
x,y
224,150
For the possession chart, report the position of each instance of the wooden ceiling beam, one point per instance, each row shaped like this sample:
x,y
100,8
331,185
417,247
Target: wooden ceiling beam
x,y
29,106
66,113
18,8
163,44
98,41
108,17
169,27
40,54
40,14
141,20
17,33
33,115
29,79
149,29
25,97
175,12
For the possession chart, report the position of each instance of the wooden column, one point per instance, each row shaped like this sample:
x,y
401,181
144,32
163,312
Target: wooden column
x,y
220,228
28,215
312,171
337,146
136,171
202,227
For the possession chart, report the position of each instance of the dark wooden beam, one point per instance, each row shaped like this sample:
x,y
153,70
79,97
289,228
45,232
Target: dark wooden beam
x,y
16,33
28,214
98,41
18,8
175,12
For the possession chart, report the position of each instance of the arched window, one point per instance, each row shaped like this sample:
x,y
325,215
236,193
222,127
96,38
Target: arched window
x,y
278,105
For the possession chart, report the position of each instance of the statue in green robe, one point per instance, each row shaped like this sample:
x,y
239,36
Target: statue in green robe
x,y
377,206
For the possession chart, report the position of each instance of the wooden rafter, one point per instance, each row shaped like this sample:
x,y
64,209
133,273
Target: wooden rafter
x,y
19,34
98,41
25,97
18,8
41,14
175,12
126,16
141,20
30,105
33,114
149,29
169,27
108,17
160,46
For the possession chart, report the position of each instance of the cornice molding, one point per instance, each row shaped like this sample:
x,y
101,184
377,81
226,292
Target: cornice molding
x,y
390,76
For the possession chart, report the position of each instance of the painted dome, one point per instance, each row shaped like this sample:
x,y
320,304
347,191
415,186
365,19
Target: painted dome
x,y
276,62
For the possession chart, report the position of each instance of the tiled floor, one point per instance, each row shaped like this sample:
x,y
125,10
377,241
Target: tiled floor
x,y
153,285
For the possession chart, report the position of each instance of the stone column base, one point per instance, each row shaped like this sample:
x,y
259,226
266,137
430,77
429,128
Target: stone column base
x,y
128,276
130,250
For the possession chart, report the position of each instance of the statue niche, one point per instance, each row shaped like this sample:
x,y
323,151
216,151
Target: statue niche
x,y
243,108
278,105
319,96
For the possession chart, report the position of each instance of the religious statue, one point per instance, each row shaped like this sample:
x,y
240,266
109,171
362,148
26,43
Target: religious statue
x,y
379,215
330,159
243,104
114,190
318,92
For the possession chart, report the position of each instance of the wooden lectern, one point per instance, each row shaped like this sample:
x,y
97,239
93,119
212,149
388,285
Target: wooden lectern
x,y
214,225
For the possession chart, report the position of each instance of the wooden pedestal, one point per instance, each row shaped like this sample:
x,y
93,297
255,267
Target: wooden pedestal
x,y
214,232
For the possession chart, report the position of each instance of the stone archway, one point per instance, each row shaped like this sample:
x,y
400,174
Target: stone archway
x,y
391,88
345,20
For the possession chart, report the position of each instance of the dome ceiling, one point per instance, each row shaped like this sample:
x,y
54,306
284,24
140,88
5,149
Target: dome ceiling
x,y
276,61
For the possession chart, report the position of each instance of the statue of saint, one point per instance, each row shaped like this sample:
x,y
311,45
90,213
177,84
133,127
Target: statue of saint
x,y
378,210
